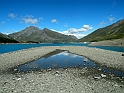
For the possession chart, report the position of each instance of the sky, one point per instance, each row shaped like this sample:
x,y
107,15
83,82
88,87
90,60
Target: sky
x,y
70,17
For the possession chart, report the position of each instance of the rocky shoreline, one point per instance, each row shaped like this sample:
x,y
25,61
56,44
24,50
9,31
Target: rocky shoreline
x,y
104,57
116,42
69,80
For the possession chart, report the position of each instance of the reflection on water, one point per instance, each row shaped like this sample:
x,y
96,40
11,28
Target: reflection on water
x,y
60,60
63,59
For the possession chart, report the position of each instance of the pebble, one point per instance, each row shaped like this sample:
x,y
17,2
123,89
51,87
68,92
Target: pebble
x,y
122,54
103,76
95,77
15,69
115,85
57,72
99,69
18,79
49,69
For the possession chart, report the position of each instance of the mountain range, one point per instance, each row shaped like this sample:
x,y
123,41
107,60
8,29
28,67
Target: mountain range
x,y
114,31
33,34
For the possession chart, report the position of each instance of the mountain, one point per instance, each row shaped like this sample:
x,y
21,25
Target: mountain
x,y
114,31
6,39
34,34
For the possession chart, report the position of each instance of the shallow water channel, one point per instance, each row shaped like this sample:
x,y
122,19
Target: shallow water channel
x,y
64,59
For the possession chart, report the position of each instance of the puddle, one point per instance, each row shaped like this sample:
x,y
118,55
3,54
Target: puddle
x,y
63,59
57,60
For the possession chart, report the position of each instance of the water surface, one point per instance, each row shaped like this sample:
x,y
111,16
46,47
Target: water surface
x,y
5,48
57,60
112,48
64,59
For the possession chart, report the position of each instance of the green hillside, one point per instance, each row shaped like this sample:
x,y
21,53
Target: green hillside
x,y
114,31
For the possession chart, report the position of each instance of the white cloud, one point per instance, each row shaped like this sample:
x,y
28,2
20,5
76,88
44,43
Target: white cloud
x,y
54,21
111,19
102,23
3,22
30,19
78,32
78,35
87,27
11,15
26,19
74,30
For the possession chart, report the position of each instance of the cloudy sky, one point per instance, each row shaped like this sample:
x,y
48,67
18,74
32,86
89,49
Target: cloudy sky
x,y
71,17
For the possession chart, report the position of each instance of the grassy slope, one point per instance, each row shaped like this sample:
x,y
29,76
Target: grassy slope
x,y
114,31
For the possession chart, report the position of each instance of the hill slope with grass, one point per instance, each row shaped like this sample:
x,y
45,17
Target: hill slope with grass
x,y
114,31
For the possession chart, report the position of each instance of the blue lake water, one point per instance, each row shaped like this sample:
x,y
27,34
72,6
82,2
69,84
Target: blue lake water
x,y
4,48
113,48
64,60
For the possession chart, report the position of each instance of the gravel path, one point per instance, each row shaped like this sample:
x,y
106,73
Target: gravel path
x,y
71,80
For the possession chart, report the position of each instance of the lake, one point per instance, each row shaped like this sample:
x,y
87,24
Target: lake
x,y
4,48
